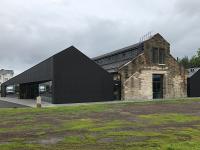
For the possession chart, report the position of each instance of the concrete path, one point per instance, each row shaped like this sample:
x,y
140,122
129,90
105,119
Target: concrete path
x,y
25,102
4,104
32,103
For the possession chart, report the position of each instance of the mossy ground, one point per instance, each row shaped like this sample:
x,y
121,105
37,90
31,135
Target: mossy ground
x,y
159,125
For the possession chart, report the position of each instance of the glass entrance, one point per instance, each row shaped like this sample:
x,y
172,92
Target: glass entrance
x,y
157,86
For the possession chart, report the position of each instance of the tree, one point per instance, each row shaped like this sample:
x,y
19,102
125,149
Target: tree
x,y
195,60
185,62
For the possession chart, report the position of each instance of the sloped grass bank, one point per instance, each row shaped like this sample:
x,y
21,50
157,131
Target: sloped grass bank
x,y
160,125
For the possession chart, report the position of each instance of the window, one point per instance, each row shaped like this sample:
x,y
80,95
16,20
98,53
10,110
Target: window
x,y
45,88
126,72
155,55
161,56
158,56
45,91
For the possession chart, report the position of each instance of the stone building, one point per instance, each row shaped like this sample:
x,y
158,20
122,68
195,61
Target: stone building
x,y
145,70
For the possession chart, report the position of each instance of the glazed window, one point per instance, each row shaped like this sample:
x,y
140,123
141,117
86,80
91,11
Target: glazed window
x,y
155,55
161,56
158,56
126,72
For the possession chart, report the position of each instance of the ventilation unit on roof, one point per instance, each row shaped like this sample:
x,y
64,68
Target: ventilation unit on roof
x,y
192,70
145,37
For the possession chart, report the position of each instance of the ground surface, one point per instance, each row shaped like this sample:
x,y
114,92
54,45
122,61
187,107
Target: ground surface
x,y
165,125
4,104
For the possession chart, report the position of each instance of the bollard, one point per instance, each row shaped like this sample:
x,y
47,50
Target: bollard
x,y
39,102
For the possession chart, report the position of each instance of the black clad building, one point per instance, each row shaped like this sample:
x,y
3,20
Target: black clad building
x,y
193,89
67,77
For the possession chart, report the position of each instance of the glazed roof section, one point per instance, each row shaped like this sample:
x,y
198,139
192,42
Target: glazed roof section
x,y
114,60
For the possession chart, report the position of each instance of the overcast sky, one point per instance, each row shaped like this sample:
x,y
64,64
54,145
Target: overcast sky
x,y
32,30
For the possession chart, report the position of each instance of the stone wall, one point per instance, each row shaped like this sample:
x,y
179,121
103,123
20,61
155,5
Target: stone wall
x,y
136,76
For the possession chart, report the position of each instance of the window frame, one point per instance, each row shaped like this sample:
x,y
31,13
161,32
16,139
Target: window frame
x,y
157,58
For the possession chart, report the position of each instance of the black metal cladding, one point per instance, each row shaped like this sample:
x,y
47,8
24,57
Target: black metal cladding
x,y
78,79
39,73
194,85
75,78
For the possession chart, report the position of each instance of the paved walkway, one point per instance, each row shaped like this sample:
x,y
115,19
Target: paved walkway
x,y
25,102
4,104
32,103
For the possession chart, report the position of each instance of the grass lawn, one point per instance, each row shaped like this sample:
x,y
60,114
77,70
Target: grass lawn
x,y
159,125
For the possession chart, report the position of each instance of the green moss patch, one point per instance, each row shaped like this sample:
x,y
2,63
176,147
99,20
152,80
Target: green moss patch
x,y
158,119
109,126
81,124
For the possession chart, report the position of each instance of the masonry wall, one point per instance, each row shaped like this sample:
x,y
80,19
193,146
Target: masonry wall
x,y
136,76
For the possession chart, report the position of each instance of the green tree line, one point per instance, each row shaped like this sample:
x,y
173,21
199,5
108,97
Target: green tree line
x,y
192,62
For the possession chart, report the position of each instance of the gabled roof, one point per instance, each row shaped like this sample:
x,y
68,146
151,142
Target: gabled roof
x,y
122,50
193,71
114,60
39,72
128,48
45,70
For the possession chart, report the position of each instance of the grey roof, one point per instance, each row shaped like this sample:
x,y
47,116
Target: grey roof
x,y
193,71
114,66
2,72
114,60
117,51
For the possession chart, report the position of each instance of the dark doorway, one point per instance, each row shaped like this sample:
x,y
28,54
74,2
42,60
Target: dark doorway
x,y
117,90
157,86
188,87
29,91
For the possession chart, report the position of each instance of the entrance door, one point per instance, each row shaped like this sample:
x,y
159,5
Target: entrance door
x,y
117,90
157,86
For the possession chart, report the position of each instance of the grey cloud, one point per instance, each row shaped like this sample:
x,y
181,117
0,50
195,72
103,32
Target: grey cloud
x,y
105,35
34,30
188,7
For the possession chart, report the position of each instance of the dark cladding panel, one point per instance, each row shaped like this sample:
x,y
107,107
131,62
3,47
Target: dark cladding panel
x,y
194,85
75,78
79,79
3,90
41,72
